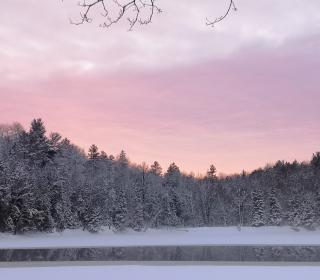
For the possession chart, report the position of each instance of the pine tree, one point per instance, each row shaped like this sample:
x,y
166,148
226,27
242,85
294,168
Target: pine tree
x,y
172,205
315,161
93,152
152,200
168,215
120,212
38,147
211,173
317,206
307,214
258,214
104,156
137,220
5,220
173,176
22,208
294,211
43,219
156,169
93,219
275,216
123,160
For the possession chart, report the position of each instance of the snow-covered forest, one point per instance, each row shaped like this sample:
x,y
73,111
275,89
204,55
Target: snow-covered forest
x,y
49,184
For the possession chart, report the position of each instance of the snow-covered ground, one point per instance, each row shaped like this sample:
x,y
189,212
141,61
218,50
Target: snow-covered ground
x,y
194,236
162,272
190,236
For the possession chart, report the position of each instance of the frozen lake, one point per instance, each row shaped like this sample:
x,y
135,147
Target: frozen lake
x,y
222,253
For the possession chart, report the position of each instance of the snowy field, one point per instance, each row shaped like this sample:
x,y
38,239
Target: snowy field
x,y
191,236
162,272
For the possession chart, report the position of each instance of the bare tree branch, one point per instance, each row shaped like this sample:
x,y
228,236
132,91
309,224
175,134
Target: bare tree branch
x,y
132,9
232,6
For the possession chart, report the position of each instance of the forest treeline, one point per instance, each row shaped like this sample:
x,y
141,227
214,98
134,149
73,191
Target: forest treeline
x,y
47,184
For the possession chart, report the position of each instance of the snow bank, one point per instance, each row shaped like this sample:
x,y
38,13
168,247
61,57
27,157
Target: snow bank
x,y
162,272
189,236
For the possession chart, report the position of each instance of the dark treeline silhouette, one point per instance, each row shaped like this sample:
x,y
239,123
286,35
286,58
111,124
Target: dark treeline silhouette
x,y
47,184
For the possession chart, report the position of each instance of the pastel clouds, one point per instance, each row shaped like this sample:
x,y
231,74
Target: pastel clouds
x,y
238,96
39,32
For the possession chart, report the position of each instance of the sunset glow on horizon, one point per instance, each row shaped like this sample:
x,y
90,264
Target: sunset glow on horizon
x,y
238,96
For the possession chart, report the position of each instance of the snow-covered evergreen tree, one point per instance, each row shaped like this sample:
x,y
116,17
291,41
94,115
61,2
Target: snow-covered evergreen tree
x,y
37,146
258,209
6,223
308,214
137,216
138,219
93,219
172,176
275,214
294,211
120,211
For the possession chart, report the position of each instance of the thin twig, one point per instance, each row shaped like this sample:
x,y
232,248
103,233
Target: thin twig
x,y
232,6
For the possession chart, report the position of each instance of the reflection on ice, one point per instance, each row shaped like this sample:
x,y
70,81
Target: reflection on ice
x,y
167,253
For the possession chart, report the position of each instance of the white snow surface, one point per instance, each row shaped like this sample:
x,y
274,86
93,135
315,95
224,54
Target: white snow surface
x,y
154,237
162,272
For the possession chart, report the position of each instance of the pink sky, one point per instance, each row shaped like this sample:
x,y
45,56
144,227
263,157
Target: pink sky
x,y
239,96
